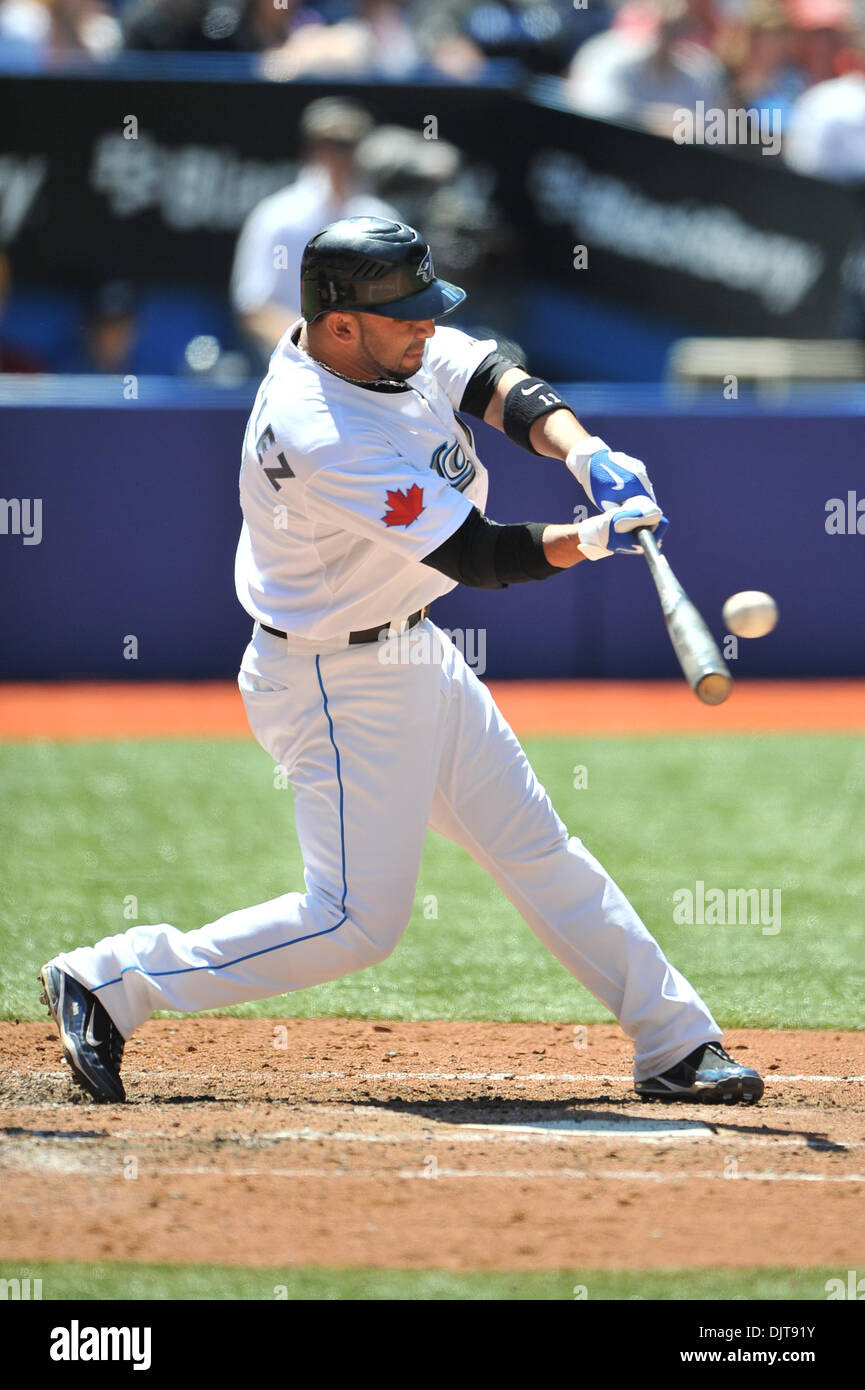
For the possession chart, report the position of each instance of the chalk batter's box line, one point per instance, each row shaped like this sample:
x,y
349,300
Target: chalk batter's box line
x,y
493,1134
508,1175
424,1173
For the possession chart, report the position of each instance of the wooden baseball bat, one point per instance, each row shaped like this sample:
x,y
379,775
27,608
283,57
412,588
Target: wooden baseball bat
x,y
697,652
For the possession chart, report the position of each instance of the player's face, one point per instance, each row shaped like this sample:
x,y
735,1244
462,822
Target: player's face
x,y
392,347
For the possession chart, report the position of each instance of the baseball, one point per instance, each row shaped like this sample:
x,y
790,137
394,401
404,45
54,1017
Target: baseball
x,y
750,614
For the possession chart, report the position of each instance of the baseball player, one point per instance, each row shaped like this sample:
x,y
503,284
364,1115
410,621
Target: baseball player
x,y
363,501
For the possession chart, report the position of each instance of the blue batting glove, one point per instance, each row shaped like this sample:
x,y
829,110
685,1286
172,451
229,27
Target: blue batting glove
x,y
608,479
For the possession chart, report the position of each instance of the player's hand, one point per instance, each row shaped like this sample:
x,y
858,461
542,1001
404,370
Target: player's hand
x,y
608,479
609,533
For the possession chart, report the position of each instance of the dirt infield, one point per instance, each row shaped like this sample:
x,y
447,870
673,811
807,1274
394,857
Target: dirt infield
x,y
213,709
451,1145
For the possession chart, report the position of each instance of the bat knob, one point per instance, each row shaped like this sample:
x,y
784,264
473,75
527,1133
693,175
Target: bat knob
x,y
714,688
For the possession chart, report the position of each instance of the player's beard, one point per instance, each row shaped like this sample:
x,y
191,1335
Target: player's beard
x,y
373,364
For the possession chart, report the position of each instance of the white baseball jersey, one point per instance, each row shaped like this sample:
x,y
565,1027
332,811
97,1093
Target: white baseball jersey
x,y
345,488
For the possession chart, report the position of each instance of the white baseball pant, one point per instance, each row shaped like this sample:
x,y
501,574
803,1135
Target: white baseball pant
x,y
380,741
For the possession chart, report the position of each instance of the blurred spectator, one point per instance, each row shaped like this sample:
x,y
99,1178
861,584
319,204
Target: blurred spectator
x,y
541,34
12,358
758,53
24,29
35,31
434,188
399,165
642,19
265,25
265,281
458,36
110,330
441,34
83,26
377,39
629,75
822,29
825,135
214,26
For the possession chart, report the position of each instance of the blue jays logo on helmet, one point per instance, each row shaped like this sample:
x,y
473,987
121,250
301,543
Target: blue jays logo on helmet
x,y
374,266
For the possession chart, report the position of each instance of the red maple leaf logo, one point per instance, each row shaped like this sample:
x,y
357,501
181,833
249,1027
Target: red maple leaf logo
x,y
403,507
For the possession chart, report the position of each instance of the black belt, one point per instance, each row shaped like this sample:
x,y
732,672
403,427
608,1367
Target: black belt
x,y
368,634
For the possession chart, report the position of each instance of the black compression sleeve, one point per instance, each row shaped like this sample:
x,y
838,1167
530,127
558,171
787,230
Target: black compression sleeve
x,y
468,556
482,384
485,555
520,553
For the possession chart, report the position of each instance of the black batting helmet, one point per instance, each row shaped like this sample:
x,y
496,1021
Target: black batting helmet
x,y
373,266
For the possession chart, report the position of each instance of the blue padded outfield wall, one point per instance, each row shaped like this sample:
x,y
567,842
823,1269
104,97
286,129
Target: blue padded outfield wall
x,y
140,520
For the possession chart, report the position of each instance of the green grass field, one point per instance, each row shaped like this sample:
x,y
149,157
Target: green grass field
x,y
136,1281
190,830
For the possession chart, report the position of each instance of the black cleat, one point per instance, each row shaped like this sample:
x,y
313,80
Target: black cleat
x,y
707,1074
92,1043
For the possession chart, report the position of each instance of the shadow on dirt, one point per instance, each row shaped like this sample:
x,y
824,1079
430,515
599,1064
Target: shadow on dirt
x,y
619,1116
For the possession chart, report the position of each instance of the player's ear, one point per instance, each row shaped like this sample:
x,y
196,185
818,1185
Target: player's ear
x,y
342,326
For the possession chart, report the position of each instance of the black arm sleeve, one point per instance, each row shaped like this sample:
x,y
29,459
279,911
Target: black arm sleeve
x,y
486,555
483,382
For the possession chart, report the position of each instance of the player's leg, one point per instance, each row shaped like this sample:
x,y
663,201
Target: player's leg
x,y
490,802
359,740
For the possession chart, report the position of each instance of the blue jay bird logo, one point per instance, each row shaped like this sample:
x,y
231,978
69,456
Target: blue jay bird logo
x,y
425,268
452,463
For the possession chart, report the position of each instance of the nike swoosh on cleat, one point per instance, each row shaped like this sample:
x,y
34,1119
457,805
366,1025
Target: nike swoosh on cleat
x,y
89,1036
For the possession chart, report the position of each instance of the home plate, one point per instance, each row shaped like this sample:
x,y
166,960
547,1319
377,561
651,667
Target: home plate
x,y
622,1126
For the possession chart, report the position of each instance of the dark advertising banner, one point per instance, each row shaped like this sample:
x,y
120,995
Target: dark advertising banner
x,y
151,180
736,243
